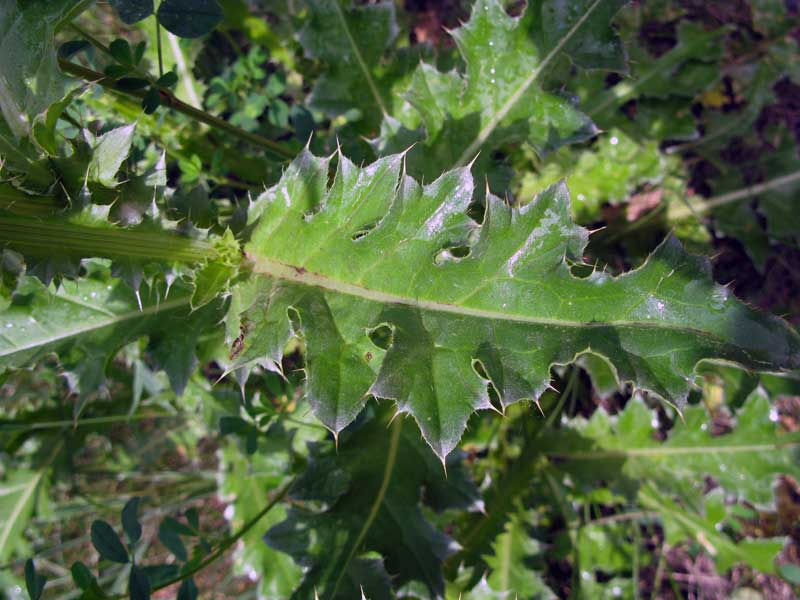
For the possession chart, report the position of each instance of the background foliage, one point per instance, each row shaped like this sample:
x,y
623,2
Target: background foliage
x,y
271,269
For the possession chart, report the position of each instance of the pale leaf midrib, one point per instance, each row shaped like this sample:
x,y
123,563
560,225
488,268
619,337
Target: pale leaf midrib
x,y
278,270
362,65
391,459
601,454
487,130
12,517
118,318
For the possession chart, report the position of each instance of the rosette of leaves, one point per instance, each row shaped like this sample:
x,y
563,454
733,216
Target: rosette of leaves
x,y
498,99
397,293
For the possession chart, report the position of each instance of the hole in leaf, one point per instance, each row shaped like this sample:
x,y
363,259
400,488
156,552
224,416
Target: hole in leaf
x,y
476,211
479,369
381,336
294,319
454,253
491,390
494,397
364,230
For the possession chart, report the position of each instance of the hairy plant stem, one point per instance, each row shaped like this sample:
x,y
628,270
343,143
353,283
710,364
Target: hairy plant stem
x,y
168,99
49,237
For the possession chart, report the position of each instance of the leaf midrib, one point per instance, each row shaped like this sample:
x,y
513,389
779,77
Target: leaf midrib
x,y
674,450
18,508
391,459
117,318
362,65
29,488
279,270
484,133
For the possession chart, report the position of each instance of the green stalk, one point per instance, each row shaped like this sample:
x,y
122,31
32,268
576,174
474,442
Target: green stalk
x,y
85,422
168,99
747,192
49,237
91,39
158,49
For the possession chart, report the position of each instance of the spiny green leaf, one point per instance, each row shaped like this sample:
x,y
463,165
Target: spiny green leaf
x,y
351,41
604,547
250,480
607,172
497,100
110,151
707,530
744,461
371,488
107,543
213,277
17,500
593,44
511,304
86,322
685,71
30,80
509,571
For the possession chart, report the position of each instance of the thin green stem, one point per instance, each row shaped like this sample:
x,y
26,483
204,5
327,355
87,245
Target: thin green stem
x,y
662,562
657,451
637,541
638,515
747,192
91,39
85,422
168,99
158,49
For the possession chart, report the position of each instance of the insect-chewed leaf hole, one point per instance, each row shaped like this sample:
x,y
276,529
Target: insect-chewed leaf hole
x,y
363,231
381,336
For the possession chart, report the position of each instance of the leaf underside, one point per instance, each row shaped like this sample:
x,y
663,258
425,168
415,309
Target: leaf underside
x,y
469,306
